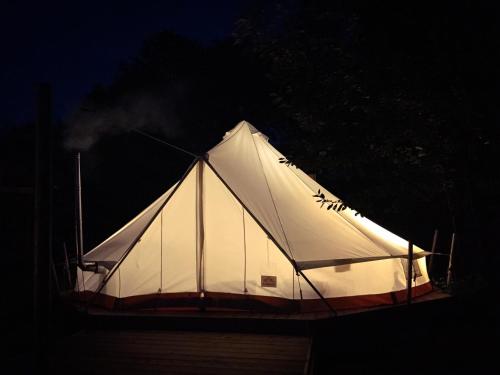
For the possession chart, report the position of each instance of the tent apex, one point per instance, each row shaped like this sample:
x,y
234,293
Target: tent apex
x,y
253,130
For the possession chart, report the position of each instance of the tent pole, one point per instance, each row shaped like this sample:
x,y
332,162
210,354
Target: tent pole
x,y
450,261
129,249
433,250
245,290
200,234
332,310
409,273
292,261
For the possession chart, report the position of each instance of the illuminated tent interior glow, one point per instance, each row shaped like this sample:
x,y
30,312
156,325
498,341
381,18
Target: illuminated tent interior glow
x,y
241,228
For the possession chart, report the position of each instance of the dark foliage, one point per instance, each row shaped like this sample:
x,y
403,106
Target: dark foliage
x,y
391,104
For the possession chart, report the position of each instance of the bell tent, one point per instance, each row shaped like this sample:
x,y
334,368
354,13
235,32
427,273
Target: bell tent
x,y
241,230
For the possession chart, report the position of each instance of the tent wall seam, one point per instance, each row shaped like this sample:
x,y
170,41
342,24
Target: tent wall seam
x,y
131,247
285,254
335,212
161,252
272,198
135,219
227,138
277,213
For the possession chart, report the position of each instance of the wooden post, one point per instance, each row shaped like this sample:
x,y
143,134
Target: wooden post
x,y
450,261
77,267
66,266
56,278
42,227
410,272
433,250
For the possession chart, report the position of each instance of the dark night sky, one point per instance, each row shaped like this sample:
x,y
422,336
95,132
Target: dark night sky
x,y
77,44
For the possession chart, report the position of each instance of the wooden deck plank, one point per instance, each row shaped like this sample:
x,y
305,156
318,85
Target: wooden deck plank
x,y
193,345
131,352
201,338
298,353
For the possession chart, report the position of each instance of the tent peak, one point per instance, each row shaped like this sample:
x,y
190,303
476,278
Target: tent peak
x,y
253,130
244,124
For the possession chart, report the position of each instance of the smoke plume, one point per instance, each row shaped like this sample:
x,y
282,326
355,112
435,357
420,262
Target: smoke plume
x,y
141,111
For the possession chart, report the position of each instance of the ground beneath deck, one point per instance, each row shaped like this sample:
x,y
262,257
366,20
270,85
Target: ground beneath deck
x,y
179,352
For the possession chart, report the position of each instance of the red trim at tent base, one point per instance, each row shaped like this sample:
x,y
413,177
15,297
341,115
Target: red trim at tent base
x,y
242,302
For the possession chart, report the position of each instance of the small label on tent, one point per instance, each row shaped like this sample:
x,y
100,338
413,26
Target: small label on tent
x,y
268,281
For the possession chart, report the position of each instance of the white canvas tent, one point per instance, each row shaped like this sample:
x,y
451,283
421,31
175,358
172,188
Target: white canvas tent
x,y
242,230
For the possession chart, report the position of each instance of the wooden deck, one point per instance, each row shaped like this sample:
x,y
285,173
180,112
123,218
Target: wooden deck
x,y
209,342
171,352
